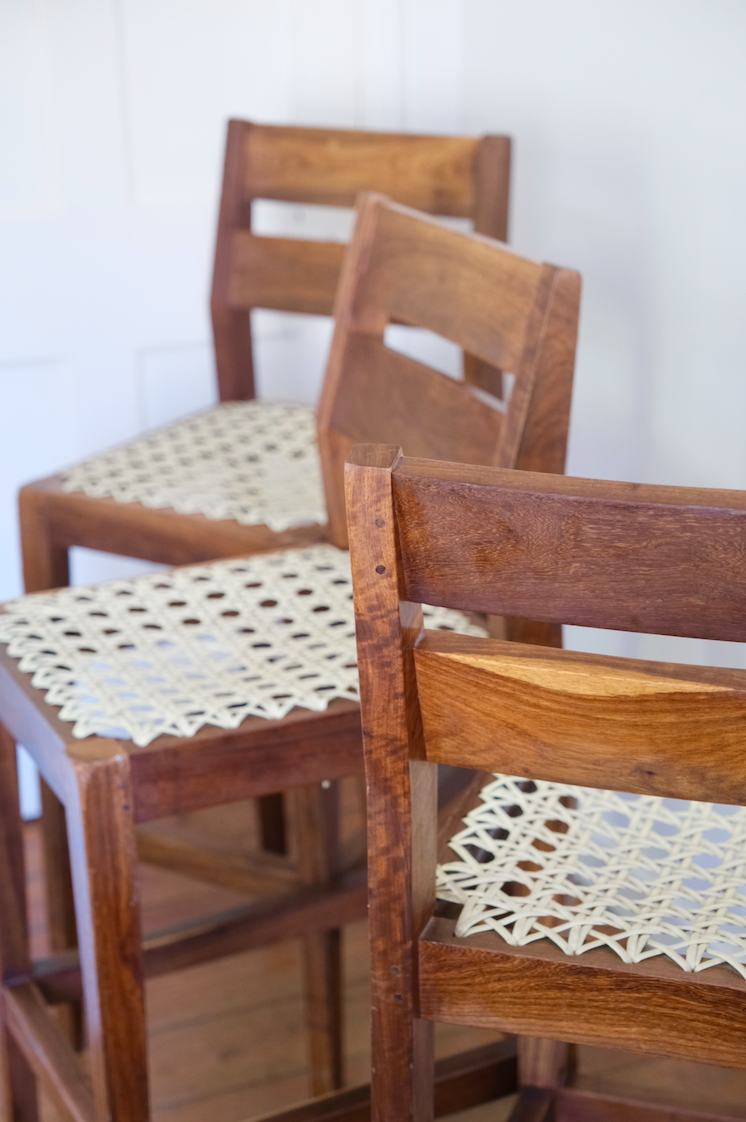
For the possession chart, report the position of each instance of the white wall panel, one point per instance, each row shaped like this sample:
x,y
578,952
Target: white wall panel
x,y
37,426
432,65
380,78
325,60
174,382
188,65
28,138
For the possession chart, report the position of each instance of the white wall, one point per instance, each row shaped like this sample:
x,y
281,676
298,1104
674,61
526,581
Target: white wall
x,y
630,164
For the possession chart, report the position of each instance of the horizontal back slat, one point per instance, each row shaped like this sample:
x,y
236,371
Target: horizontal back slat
x,y
612,555
472,291
389,398
330,167
288,274
582,719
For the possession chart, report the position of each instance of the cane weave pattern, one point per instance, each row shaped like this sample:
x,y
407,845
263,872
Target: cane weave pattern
x,y
255,462
644,876
204,644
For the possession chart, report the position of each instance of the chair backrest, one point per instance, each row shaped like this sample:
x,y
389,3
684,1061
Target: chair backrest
x,y
501,308
447,175
610,555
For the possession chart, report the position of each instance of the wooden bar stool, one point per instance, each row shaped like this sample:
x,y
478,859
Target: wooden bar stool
x,y
214,486
245,476
237,679
583,901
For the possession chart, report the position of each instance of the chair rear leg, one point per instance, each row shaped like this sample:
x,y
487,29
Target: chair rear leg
x,y
314,817
19,1083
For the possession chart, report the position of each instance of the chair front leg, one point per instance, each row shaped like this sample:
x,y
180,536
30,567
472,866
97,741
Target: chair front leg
x,y
314,821
107,906
19,1083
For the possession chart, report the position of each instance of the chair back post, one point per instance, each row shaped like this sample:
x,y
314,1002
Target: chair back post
x,y
402,812
231,326
491,195
458,176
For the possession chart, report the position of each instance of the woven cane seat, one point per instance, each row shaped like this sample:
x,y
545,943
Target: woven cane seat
x,y
203,644
255,462
643,876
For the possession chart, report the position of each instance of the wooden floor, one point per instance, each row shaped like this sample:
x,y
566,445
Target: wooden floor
x,y
227,1043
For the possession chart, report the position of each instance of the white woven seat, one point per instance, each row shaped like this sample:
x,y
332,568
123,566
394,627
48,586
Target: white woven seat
x,y
252,461
644,876
203,644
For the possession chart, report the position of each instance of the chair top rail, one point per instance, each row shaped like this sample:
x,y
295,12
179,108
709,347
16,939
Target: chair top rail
x,y
633,557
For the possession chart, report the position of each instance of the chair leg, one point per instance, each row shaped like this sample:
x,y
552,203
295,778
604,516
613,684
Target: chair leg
x,y
59,896
19,1090
314,814
542,1062
107,906
543,1066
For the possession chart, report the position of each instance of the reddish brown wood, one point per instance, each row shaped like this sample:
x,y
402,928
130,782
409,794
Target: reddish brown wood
x,y
534,1104
231,326
486,540
48,1053
461,1082
624,724
507,310
100,814
314,813
290,916
17,1080
553,542
261,758
443,175
574,1105
402,1042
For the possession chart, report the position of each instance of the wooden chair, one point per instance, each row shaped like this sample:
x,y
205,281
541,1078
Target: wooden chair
x,y
401,264
586,908
450,176
113,504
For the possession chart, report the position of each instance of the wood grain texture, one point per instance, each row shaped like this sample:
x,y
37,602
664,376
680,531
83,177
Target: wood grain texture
x,y
133,530
505,310
614,723
313,812
542,1062
103,856
477,539
331,166
210,937
470,289
462,1082
287,274
258,873
48,1053
17,1081
546,547
401,800
574,1105
539,991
